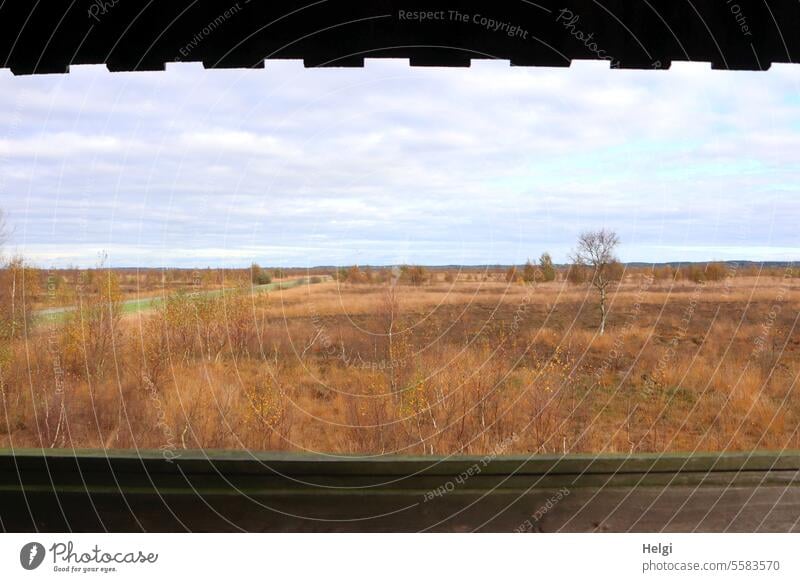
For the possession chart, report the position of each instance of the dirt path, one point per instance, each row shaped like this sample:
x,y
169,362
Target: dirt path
x,y
130,306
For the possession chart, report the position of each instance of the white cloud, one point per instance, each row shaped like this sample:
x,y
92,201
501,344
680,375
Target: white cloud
x,y
494,161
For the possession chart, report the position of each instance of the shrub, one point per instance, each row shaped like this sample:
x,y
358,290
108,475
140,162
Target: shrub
x,y
665,273
413,274
701,273
694,273
530,273
577,274
546,268
615,271
91,330
690,273
266,410
352,275
18,285
189,327
356,275
259,276
715,271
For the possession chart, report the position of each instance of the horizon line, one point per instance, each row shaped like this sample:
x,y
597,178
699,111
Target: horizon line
x,y
739,262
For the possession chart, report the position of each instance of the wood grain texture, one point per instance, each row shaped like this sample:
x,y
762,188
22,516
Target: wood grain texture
x,y
237,491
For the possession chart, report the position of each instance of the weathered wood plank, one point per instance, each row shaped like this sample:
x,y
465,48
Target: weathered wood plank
x,y
57,490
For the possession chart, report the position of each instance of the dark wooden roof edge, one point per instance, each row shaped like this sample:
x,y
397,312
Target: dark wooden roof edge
x,y
211,461
49,37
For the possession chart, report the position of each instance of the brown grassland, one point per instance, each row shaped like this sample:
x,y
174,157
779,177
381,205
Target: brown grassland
x,y
461,363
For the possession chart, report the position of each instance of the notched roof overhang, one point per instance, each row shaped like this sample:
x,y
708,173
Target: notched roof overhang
x,y
48,36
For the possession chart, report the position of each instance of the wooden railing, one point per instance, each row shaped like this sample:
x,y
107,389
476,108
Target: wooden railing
x,y
61,490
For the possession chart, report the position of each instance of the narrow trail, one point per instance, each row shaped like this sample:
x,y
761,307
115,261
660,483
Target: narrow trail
x,y
130,306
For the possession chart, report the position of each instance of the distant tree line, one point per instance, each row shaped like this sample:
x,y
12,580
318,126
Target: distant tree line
x,y
697,272
405,274
544,271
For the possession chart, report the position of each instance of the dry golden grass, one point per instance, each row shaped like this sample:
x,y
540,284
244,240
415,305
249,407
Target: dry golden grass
x,y
469,367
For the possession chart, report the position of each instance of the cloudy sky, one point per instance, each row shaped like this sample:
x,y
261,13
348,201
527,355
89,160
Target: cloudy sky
x,y
391,164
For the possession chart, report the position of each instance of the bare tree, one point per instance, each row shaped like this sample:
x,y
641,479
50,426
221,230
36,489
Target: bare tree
x,y
595,251
389,313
